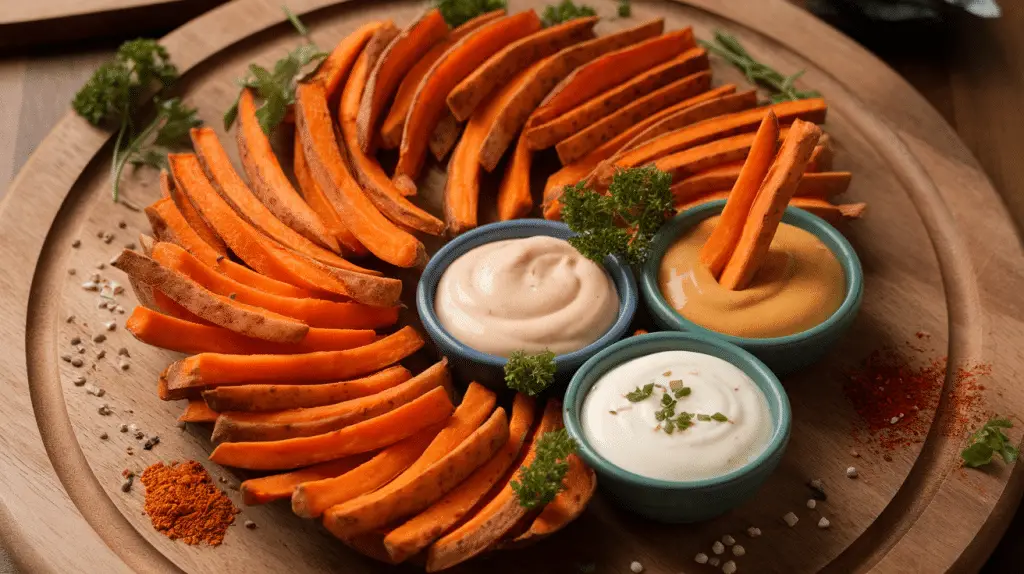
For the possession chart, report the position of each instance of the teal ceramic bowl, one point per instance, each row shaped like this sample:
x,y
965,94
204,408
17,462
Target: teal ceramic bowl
x,y
782,354
680,501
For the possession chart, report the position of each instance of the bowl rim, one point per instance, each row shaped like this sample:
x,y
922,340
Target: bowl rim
x,y
762,376
426,289
801,218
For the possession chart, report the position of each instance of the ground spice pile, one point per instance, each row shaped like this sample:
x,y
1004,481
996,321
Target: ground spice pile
x,y
892,396
183,503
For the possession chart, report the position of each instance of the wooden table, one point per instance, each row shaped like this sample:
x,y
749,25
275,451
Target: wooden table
x,y
972,71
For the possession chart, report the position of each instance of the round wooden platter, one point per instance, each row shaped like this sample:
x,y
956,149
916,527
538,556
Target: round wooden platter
x,y
938,250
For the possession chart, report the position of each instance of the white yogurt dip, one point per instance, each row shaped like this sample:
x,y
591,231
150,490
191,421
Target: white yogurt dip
x,y
728,424
531,294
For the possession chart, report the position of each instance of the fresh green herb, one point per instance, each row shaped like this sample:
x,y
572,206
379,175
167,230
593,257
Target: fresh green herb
x,y
704,418
682,392
638,394
530,374
458,12
542,480
277,88
114,95
783,87
624,221
564,11
990,440
719,417
625,9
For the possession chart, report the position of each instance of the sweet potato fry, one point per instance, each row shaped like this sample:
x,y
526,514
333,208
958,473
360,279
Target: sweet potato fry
x,y
198,411
610,70
167,332
269,257
515,199
772,198
229,184
462,189
375,183
416,534
378,432
391,130
394,63
822,185
311,499
512,59
318,202
265,398
442,140
337,64
165,185
581,482
723,240
545,135
711,103
195,221
497,516
544,77
243,426
232,315
327,165
313,312
170,225
714,129
452,67
603,129
270,184
280,486
834,214
712,154
386,505
214,369
821,158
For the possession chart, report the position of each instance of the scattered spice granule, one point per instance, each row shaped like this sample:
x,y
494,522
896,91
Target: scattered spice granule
x,y
153,441
851,472
79,381
72,271
183,503
104,435
250,524
105,410
817,489
887,457
636,567
122,224
76,243
99,338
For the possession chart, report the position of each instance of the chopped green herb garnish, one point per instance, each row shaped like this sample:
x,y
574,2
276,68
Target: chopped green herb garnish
x,y
624,221
625,9
542,480
990,440
564,11
115,93
719,417
276,88
782,87
638,394
530,374
683,392
458,12
704,418
613,412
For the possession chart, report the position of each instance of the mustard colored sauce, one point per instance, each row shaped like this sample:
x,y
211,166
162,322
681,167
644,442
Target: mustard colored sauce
x,y
800,284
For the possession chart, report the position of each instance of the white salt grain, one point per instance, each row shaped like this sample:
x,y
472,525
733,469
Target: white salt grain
x,y
811,503
701,558
728,540
718,547
851,472
753,532
729,567
739,550
636,567
790,519
824,523
714,562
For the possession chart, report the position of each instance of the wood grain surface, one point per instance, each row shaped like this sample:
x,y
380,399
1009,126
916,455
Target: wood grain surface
x,y
41,88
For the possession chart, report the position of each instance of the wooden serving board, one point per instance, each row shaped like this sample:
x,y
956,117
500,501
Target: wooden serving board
x,y
939,254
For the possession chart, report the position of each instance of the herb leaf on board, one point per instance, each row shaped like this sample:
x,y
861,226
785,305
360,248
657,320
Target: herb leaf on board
x,y
989,441
782,88
564,11
458,12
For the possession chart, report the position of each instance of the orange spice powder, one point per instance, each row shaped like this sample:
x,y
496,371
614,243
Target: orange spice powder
x,y
183,503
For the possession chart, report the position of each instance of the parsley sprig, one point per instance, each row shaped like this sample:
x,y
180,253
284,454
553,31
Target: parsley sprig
x,y
638,394
276,88
625,9
540,482
564,11
988,441
624,221
530,374
783,87
458,12
114,95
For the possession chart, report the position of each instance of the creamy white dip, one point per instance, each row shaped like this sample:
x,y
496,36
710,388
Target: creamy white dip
x,y
629,434
526,294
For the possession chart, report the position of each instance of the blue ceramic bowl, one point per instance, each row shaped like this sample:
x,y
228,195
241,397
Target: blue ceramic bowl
x,y
691,500
782,354
488,369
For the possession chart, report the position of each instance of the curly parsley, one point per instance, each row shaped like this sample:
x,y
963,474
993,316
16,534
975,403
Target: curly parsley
x,y
624,221
458,12
564,11
530,374
990,440
540,482
114,95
